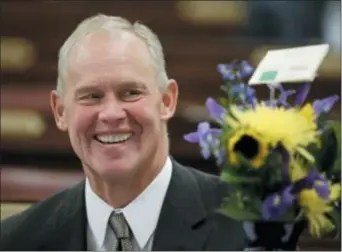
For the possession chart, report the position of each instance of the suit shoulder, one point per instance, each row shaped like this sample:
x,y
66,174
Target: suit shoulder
x,y
29,221
204,177
213,191
212,188
209,180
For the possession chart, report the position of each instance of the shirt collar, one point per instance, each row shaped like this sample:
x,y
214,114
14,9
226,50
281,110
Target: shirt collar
x,y
98,212
142,213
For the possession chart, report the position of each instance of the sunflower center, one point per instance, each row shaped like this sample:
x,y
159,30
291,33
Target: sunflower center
x,y
247,146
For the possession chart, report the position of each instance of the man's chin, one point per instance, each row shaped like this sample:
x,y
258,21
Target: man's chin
x,y
114,171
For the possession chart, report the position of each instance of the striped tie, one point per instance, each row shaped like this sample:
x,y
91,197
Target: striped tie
x,y
120,227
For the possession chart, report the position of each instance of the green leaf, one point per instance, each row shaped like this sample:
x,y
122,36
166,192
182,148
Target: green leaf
x,y
244,162
328,157
335,216
336,127
232,178
227,133
272,170
225,89
233,209
223,102
323,118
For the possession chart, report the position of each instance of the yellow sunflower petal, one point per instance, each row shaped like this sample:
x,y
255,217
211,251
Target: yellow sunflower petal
x,y
297,171
305,154
291,127
335,192
319,224
231,122
308,112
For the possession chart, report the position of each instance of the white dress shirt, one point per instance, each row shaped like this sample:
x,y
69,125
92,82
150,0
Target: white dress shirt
x,y
142,214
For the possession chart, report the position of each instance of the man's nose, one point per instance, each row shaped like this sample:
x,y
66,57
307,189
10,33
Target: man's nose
x,y
112,110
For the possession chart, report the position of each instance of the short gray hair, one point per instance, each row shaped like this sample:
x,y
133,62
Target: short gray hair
x,y
111,24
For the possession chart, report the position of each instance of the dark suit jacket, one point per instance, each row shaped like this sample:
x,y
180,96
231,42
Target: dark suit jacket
x,y
188,219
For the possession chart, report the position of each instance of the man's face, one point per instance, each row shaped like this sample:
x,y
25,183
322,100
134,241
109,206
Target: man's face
x,y
112,106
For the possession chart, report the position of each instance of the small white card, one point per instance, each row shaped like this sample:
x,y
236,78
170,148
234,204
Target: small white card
x,y
289,65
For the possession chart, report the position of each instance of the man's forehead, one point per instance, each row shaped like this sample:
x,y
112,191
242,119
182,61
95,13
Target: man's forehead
x,y
101,54
105,44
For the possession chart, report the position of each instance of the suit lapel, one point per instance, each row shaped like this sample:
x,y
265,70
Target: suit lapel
x,y
68,223
182,224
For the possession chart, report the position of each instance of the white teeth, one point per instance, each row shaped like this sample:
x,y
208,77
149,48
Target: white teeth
x,y
112,139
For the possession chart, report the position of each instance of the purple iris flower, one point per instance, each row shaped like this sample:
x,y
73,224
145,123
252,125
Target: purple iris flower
x,y
324,105
235,71
284,94
319,183
219,155
277,204
214,109
282,101
271,103
226,71
245,93
245,69
206,137
243,89
303,92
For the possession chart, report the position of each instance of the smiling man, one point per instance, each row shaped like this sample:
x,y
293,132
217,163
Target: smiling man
x,y
115,109
114,99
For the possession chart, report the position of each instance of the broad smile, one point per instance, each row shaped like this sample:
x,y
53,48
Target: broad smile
x,y
113,138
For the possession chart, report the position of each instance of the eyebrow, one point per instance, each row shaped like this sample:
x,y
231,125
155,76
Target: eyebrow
x,y
97,85
133,84
85,89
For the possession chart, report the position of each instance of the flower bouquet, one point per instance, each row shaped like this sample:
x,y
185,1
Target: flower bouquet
x,y
282,157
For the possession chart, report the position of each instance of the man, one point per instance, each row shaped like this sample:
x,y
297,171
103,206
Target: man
x,y
114,99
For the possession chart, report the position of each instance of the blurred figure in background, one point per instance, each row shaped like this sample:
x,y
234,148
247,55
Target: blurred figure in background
x,y
292,22
331,25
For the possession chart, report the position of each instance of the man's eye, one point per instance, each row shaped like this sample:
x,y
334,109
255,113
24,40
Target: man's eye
x,y
91,96
131,93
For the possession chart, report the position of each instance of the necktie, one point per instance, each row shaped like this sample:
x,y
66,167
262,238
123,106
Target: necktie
x,y
123,234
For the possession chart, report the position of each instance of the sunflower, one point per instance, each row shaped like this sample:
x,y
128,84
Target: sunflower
x,y
316,207
315,201
294,128
249,144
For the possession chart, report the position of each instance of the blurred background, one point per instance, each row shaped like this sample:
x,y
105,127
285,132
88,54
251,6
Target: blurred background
x,y
37,159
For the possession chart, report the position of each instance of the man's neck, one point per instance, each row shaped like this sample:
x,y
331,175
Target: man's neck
x,y
120,192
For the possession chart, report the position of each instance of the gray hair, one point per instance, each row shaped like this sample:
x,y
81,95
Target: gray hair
x,y
111,24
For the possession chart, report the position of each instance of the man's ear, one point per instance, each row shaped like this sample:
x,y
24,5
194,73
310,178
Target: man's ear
x,y
169,100
58,111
